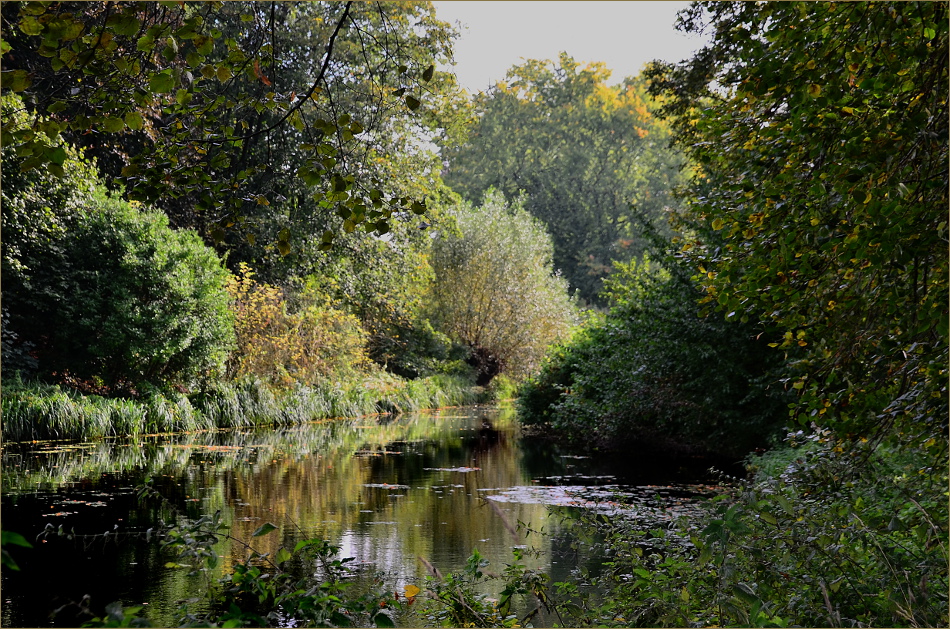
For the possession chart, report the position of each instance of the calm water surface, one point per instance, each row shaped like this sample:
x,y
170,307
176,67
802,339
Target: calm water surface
x,y
386,492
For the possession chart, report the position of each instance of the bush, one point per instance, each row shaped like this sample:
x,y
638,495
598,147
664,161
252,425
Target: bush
x,y
653,370
121,299
284,347
841,535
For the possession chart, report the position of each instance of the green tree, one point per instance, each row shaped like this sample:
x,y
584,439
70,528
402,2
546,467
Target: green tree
x,y
215,110
495,290
820,133
101,291
583,151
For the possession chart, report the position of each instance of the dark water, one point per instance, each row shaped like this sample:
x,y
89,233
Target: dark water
x,y
387,493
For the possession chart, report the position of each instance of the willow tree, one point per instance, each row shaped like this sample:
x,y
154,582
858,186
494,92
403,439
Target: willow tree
x,y
495,289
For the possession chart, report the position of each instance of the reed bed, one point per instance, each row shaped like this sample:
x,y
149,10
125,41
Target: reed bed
x,y
34,411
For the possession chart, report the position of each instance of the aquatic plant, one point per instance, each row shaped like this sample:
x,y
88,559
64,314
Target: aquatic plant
x,y
35,411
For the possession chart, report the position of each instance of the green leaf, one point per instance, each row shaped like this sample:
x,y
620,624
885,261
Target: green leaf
x,y
16,80
126,25
383,619
223,73
412,102
264,529
113,124
7,561
15,539
73,31
30,25
134,120
203,44
427,74
56,155
744,592
145,43
282,555
283,247
161,82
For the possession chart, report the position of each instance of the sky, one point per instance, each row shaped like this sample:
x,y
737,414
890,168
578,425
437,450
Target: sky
x,y
623,35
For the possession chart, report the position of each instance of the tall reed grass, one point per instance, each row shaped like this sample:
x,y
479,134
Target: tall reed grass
x,y
37,411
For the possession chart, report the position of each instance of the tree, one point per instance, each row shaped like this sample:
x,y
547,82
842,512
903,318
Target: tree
x,y
590,157
215,110
495,290
99,291
820,133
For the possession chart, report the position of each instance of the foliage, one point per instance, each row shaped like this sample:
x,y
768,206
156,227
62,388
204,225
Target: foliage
x,y
842,536
455,601
582,151
33,411
653,371
283,347
9,538
385,284
105,291
820,135
189,102
495,290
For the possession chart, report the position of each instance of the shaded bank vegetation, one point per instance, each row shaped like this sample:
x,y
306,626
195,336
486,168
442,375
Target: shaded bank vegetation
x,y
261,233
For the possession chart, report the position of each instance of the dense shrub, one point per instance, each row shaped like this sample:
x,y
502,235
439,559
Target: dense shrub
x,y
112,295
654,370
284,347
826,534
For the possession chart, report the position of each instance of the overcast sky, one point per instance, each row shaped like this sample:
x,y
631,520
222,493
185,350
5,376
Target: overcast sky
x,y
624,35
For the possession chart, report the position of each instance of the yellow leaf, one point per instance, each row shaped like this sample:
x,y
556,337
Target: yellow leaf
x,y
814,90
411,590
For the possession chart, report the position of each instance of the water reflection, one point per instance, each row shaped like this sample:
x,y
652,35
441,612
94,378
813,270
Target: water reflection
x,y
387,493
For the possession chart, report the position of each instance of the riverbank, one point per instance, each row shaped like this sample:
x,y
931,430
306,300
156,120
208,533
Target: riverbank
x,y
35,411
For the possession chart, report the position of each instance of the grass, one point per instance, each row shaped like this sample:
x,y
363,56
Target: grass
x,y
36,411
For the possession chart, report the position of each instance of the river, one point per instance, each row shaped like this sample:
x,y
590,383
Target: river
x,y
388,491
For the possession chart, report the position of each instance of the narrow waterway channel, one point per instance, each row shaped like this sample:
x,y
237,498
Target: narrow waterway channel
x,y
387,491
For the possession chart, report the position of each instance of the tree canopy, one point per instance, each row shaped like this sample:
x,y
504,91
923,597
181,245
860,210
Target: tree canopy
x,y
217,110
590,157
820,206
